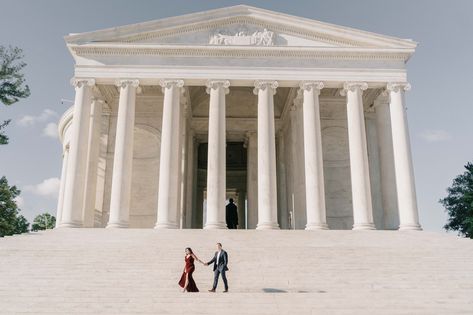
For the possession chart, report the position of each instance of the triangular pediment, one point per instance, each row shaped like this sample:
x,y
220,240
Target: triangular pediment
x,y
240,26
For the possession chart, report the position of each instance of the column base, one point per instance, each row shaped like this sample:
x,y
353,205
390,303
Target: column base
x,y
117,225
363,226
410,227
215,226
165,226
267,226
72,224
316,226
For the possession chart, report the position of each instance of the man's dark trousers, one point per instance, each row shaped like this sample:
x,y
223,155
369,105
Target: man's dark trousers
x,y
224,278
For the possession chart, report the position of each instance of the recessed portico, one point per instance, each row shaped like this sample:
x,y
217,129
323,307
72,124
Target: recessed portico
x,y
300,101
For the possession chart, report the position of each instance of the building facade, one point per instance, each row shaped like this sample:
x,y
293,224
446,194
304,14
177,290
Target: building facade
x,y
302,123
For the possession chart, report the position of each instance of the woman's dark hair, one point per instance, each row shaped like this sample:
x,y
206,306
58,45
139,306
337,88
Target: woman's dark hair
x,y
189,249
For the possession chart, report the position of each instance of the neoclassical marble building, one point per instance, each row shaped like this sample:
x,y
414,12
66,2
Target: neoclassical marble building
x,y
303,123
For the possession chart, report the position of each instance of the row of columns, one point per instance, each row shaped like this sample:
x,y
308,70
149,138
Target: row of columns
x,y
169,197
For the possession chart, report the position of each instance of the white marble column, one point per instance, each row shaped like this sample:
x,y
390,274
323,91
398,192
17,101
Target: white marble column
x,y
314,169
404,170
267,190
60,201
252,179
216,187
170,159
77,162
241,209
123,156
190,176
92,161
281,177
386,161
359,168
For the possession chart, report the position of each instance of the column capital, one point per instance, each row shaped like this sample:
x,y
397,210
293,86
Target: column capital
x,y
80,82
216,84
311,85
353,86
167,84
398,86
124,82
262,85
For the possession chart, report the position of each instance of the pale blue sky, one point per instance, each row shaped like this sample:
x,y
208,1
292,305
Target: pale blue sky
x,y
440,109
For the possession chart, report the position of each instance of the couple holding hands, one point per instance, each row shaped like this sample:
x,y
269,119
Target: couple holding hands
x,y
220,261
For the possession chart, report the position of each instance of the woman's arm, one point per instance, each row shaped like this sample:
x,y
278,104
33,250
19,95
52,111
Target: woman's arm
x,y
195,257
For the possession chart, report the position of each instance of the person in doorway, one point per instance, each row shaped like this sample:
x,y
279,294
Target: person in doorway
x,y
220,261
231,215
187,281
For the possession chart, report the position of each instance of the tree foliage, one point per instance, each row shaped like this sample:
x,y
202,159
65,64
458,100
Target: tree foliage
x,y
43,222
3,136
12,81
11,222
459,203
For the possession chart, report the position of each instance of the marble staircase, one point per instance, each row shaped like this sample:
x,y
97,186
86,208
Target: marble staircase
x,y
135,271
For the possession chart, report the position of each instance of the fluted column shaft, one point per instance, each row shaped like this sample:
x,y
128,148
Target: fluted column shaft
x,y
267,192
76,168
252,179
386,160
93,147
314,170
123,156
359,168
60,200
405,185
216,187
170,158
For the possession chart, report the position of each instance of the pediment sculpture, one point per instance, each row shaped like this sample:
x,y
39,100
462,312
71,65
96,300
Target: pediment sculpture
x,y
258,38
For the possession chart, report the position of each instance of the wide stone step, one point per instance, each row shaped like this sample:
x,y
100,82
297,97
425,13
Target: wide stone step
x,y
132,271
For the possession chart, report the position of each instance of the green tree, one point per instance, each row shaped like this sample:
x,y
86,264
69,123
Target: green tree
x,y
11,222
21,225
12,81
459,203
43,222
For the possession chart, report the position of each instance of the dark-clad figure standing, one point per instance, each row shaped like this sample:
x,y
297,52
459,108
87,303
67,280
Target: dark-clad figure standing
x,y
220,262
231,215
187,281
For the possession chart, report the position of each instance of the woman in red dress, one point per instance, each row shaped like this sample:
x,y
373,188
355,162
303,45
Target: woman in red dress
x,y
187,281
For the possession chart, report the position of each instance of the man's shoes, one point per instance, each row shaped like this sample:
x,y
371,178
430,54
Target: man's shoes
x,y
212,290
225,291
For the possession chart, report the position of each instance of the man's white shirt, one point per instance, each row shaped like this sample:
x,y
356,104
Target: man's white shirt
x,y
218,256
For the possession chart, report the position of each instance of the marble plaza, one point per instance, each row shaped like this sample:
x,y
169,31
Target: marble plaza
x,y
303,123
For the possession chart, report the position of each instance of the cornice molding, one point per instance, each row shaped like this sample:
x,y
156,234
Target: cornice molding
x,y
241,51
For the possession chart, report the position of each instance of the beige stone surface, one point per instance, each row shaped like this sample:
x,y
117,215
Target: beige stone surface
x,y
135,271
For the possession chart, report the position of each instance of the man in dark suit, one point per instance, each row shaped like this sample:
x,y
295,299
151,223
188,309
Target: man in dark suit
x,y
231,215
220,262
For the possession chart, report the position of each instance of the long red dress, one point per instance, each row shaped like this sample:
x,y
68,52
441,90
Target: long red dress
x,y
190,267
